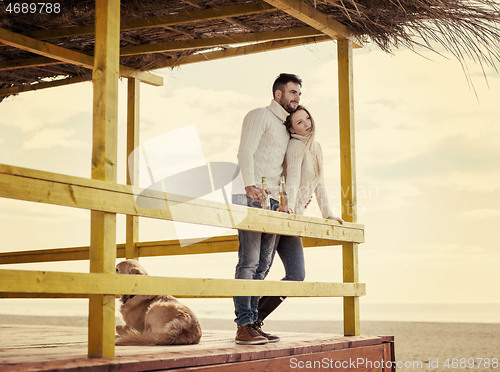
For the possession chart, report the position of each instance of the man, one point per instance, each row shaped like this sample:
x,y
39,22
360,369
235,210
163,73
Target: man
x,y
264,140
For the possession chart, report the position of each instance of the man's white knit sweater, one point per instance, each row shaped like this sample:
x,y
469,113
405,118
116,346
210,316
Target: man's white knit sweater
x,y
264,140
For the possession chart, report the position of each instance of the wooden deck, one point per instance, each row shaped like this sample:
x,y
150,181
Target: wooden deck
x,y
44,348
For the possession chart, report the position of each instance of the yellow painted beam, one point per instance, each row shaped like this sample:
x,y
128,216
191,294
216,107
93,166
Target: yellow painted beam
x,y
41,295
33,185
132,163
306,13
22,281
212,42
219,244
348,179
69,56
350,275
161,21
102,253
50,255
43,85
346,130
245,50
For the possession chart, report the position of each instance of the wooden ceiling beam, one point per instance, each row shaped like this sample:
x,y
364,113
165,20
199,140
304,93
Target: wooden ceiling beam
x,y
181,45
27,62
69,56
42,85
304,12
218,41
245,50
161,21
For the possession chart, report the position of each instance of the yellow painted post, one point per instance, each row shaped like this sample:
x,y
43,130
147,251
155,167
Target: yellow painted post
x,y
133,117
101,333
348,179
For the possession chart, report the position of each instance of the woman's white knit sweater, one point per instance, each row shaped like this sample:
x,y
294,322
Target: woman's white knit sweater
x,y
263,144
301,179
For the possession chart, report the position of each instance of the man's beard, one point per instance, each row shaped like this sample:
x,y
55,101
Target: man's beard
x,y
289,108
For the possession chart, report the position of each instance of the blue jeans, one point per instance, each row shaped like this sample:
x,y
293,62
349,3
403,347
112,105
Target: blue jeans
x,y
255,255
291,254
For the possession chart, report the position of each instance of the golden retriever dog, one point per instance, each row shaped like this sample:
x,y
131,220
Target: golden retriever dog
x,y
154,320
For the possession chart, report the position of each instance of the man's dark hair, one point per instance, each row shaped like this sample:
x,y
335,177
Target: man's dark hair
x,y
283,79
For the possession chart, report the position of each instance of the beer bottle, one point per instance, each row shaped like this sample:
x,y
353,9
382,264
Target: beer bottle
x,y
266,202
283,196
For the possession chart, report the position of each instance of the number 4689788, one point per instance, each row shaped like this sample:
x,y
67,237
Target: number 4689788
x,y
25,8
472,363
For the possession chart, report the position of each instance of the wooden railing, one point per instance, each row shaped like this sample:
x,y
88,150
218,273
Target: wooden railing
x,y
51,188
218,244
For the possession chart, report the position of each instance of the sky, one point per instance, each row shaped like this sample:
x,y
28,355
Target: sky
x,y
427,160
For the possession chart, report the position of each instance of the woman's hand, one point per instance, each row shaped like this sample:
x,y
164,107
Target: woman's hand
x,y
338,219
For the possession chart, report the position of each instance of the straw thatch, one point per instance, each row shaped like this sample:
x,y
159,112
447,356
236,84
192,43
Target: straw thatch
x,y
468,29
465,28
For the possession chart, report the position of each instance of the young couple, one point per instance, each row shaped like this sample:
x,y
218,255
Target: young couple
x,y
275,137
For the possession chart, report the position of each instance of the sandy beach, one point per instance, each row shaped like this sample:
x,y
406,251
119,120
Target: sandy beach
x,y
420,346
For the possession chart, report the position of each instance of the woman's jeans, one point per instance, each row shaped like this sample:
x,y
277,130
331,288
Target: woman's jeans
x,y
291,254
255,256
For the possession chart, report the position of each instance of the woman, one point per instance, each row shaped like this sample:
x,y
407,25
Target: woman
x,y
304,169
304,165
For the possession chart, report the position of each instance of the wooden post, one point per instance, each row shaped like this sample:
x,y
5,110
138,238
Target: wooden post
x,y
133,117
348,179
101,333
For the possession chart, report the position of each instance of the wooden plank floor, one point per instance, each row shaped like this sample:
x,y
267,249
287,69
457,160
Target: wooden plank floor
x,y
42,348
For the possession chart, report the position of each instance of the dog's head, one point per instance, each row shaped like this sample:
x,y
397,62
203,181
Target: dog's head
x,y
131,267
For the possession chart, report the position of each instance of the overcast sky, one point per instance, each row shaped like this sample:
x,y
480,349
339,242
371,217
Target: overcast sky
x,y
427,158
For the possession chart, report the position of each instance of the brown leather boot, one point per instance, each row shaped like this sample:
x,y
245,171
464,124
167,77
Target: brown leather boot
x,y
248,335
271,338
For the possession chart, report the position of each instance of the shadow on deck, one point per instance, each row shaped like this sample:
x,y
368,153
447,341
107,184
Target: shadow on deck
x,y
43,348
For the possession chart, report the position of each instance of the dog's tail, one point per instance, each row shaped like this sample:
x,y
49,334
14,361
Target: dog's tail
x,y
174,333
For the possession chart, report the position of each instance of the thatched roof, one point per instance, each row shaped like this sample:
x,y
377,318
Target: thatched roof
x,y
469,29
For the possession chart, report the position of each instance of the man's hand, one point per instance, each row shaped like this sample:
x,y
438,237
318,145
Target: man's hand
x,y
255,193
